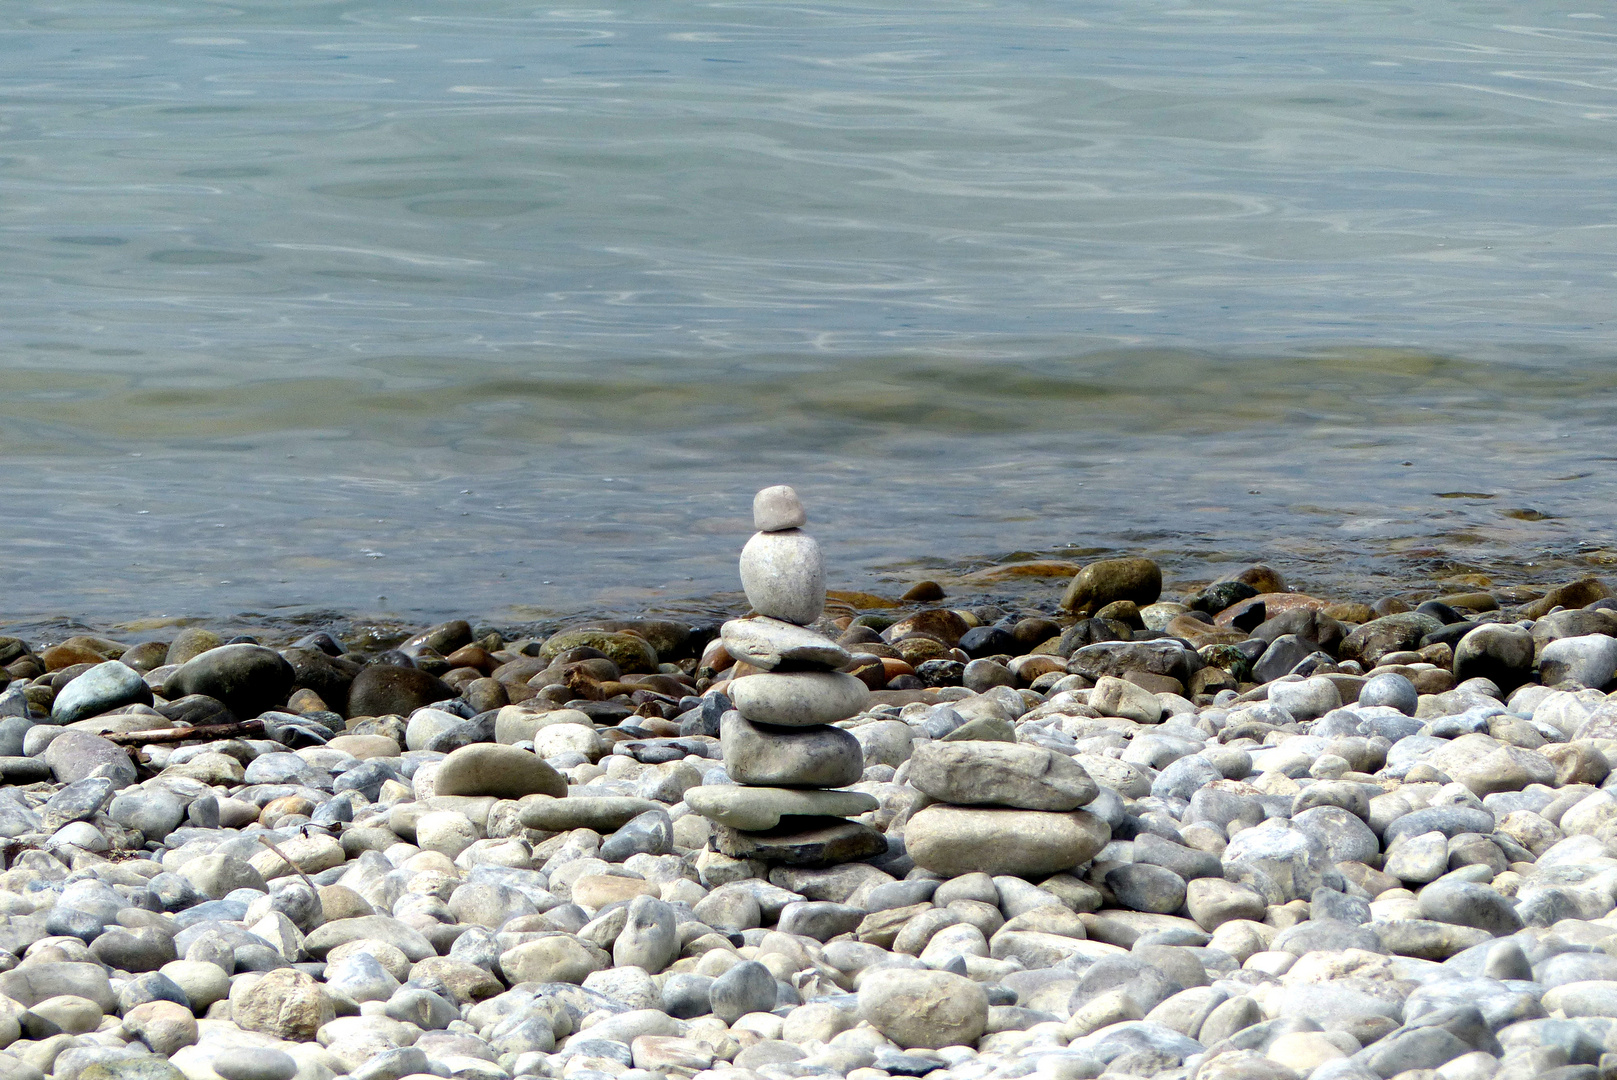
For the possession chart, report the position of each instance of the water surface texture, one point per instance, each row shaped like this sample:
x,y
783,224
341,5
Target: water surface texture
x,y
483,307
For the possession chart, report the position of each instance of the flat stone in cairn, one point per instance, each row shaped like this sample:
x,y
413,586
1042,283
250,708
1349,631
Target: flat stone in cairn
x,y
814,757
799,698
771,643
759,808
812,841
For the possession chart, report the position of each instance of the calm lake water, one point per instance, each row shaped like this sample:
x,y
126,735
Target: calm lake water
x,y
420,308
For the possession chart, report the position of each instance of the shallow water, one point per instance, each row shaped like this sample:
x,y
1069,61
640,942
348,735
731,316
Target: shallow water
x,y
484,308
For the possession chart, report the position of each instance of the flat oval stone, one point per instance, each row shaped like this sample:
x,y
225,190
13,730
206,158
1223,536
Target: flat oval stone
x,y
955,840
759,808
810,841
602,813
799,698
254,1063
769,643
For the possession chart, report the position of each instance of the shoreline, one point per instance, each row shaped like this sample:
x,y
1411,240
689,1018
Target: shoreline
x,y
1256,833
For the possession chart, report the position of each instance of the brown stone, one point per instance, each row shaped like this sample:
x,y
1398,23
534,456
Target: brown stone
x,y
285,806
1349,612
58,657
1012,571
1200,634
940,623
595,891
920,648
923,592
1156,684
1264,578
1575,594
1107,580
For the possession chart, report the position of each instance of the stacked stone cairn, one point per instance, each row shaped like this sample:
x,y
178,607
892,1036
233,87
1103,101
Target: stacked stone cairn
x,y
779,743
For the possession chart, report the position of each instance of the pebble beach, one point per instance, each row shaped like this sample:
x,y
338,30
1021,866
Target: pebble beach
x,y
1247,833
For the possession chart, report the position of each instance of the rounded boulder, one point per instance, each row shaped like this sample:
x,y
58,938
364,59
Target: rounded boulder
x,y
501,771
249,679
924,1009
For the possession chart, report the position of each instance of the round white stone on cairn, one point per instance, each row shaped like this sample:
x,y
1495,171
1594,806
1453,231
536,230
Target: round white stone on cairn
x,y
783,574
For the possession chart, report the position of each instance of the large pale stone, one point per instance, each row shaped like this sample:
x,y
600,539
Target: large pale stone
x,y
1000,774
955,840
783,574
799,698
518,723
501,771
285,1003
929,1009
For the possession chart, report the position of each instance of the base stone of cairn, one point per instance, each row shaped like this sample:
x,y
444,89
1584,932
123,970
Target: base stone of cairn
x,y
1001,808
779,743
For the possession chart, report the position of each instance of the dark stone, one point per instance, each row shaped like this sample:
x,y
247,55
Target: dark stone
x,y
173,892
1282,655
982,641
314,669
140,950
1187,862
1307,623
1420,1048
941,672
1390,633
821,920
1250,619
1440,611
151,986
747,987
24,770
387,689
1165,657
1090,632
258,958
687,995
442,639
477,730
1451,821
651,833
804,841
196,710
1220,595
249,679
322,641
605,713
1143,887
366,778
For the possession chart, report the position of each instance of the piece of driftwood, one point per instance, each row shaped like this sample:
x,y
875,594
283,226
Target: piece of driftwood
x,y
203,733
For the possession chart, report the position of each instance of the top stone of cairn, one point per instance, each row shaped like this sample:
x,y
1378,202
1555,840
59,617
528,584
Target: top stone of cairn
x,y
776,509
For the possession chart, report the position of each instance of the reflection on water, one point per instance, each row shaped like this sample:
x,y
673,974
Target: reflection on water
x,y
506,310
